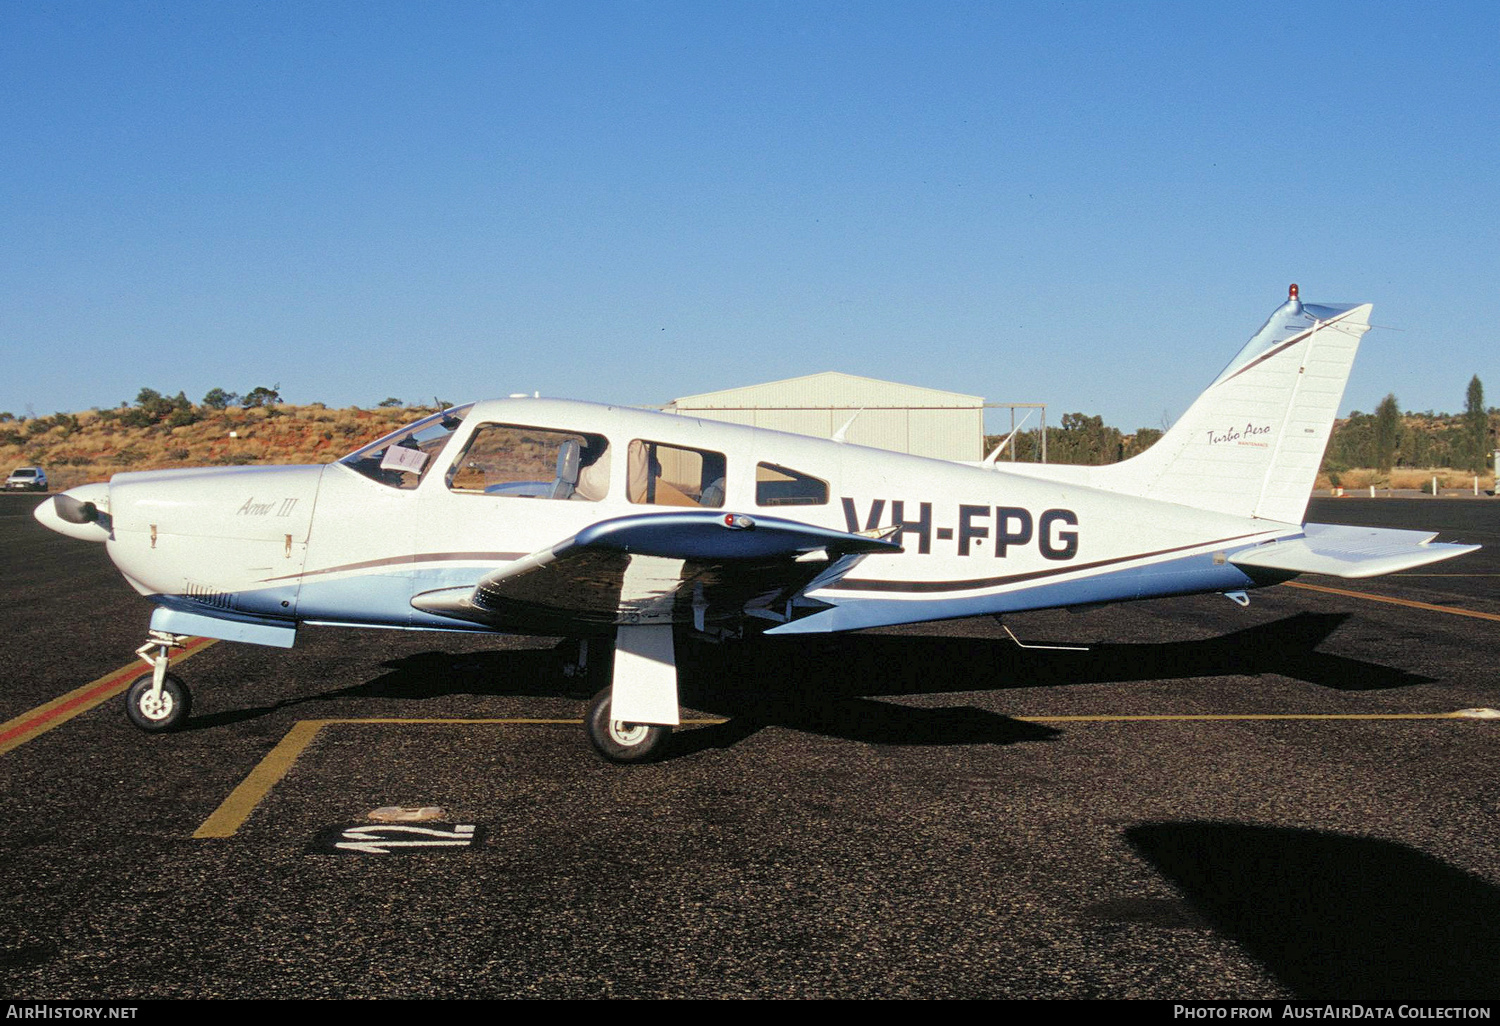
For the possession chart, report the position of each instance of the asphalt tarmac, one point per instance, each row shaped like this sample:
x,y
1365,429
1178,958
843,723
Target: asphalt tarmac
x,y
902,813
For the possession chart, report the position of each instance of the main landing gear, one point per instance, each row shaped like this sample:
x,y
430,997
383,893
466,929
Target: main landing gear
x,y
158,701
641,676
617,740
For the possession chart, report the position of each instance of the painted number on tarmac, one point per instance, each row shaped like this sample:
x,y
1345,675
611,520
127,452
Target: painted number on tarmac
x,y
394,839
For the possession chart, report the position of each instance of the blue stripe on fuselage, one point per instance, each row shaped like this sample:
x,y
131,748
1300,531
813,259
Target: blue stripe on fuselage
x,y
1185,575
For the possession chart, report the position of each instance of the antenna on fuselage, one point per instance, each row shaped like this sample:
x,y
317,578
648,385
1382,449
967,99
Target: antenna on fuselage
x,y
838,436
448,422
989,461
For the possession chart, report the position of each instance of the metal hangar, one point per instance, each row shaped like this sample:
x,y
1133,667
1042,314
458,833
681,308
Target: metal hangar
x,y
887,415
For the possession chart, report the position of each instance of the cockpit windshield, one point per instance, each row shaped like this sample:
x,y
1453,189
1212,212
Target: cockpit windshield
x,y
400,458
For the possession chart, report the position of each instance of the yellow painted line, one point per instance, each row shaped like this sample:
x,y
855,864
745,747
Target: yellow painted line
x,y
1246,716
231,815
1428,606
227,819
29,725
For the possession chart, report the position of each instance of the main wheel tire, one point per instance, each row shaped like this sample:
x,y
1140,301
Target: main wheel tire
x,y
618,741
169,712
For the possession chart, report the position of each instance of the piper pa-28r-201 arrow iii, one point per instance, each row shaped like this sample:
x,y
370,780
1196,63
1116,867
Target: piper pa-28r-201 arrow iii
x,y
607,524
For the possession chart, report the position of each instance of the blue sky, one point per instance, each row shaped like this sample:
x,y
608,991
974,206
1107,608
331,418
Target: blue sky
x,y
1087,204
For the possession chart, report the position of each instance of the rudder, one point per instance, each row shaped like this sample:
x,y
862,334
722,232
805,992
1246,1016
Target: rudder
x,y
1252,443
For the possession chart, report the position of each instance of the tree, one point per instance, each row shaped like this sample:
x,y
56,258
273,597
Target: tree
x,y
1083,439
1143,439
262,396
1476,427
218,399
1387,433
389,403
151,407
1352,444
182,413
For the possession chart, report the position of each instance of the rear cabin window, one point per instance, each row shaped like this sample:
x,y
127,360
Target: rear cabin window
x,y
520,462
670,475
782,486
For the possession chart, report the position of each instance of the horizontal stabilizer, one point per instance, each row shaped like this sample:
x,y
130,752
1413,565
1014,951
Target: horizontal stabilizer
x,y
1350,551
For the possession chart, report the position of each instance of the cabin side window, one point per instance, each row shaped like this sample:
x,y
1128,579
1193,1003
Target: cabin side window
x,y
670,475
521,462
782,486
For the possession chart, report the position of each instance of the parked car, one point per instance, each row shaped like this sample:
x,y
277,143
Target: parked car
x,y
26,479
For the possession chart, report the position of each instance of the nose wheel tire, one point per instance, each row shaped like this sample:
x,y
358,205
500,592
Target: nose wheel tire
x,y
618,741
168,711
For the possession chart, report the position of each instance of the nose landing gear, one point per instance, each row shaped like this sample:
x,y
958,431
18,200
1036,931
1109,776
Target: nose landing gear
x,y
158,701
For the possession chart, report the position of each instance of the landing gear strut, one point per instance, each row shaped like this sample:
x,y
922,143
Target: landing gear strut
x,y
158,701
643,686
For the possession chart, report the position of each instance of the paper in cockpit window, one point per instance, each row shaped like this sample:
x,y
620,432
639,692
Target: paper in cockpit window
x,y
398,457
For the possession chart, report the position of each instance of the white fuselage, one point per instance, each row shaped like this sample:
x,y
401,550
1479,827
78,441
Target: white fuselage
x,y
329,544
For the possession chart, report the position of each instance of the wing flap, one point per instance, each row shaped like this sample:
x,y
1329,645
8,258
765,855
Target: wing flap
x,y
1351,552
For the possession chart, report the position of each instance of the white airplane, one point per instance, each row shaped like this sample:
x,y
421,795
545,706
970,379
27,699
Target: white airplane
x,y
602,523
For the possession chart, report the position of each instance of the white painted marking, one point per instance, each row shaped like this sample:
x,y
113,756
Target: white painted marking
x,y
384,847
372,840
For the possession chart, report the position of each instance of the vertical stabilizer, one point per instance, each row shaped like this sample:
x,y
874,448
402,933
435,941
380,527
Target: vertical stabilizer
x,y
1252,443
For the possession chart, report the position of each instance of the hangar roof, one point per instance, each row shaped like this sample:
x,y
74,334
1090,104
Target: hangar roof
x,y
828,389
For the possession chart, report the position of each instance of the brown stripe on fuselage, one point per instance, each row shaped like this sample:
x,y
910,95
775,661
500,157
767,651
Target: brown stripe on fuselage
x,y
421,557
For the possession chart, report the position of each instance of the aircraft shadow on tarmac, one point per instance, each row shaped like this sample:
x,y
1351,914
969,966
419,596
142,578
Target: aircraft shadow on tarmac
x,y
824,686
1335,917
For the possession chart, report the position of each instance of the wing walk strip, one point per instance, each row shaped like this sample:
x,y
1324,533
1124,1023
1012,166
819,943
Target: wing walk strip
x,y
227,819
16,732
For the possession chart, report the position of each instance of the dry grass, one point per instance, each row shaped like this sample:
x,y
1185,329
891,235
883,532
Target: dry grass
x,y
99,448
1360,479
